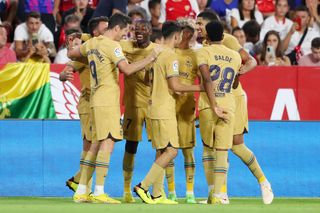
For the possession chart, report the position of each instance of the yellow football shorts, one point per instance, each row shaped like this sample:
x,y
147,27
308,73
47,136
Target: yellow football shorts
x,y
134,118
215,132
241,123
164,131
85,122
106,123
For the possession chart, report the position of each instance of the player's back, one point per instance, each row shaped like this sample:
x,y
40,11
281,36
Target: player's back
x,y
224,65
162,103
103,56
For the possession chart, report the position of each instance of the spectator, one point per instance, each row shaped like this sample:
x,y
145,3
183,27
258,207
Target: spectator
x,y
278,21
27,34
272,54
155,10
71,22
137,13
8,9
83,11
46,10
266,7
298,41
62,57
38,54
313,58
239,34
314,8
252,32
109,7
156,36
245,12
6,55
203,4
60,7
171,10
223,7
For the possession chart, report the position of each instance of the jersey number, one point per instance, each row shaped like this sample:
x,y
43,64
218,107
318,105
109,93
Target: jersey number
x,y
226,80
93,70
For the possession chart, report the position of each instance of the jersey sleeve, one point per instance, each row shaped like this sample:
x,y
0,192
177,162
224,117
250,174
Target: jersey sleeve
x,y
172,67
231,42
76,65
83,49
125,45
201,57
85,37
116,54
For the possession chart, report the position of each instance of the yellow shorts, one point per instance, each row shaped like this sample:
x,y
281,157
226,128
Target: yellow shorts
x,y
215,132
241,124
106,123
85,122
164,132
134,118
186,131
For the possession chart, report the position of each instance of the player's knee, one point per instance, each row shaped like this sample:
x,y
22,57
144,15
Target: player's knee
x,y
238,139
131,147
172,152
236,149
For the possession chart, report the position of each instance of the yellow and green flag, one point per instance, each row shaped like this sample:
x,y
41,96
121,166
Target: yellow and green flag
x,y
25,91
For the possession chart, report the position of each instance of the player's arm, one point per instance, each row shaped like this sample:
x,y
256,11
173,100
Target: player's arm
x,y
209,88
176,86
249,63
129,69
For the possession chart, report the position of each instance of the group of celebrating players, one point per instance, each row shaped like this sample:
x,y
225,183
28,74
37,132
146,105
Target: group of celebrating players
x,y
158,91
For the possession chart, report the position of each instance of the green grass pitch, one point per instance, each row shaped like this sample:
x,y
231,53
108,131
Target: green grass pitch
x,y
238,205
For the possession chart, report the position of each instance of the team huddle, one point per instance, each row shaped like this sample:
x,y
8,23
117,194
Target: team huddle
x,y
159,93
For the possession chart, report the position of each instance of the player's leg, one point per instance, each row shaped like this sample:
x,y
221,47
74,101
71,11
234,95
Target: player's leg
x,y
164,137
248,158
206,125
127,167
171,182
189,166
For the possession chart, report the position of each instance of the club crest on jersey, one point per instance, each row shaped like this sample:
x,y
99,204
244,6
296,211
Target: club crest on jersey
x,y
117,52
175,66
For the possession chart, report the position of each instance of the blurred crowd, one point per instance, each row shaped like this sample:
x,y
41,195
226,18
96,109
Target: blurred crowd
x,y
275,32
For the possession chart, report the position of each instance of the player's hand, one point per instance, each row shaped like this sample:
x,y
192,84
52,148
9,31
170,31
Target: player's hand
x,y
221,113
156,51
69,73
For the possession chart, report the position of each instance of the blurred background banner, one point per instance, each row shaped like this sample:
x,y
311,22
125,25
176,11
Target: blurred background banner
x,y
273,93
25,91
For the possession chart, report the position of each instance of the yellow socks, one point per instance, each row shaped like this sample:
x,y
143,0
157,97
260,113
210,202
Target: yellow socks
x,y
250,160
127,166
208,160
220,170
102,166
170,177
88,165
152,175
189,167
77,176
158,185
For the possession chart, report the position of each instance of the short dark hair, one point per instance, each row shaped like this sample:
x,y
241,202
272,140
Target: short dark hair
x,y
236,29
209,15
156,34
146,23
71,31
71,18
315,43
302,8
94,22
119,19
152,3
251,28
33,14
169,28
215,30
